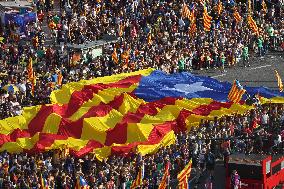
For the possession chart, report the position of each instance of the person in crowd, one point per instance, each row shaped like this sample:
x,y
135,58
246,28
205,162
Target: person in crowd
x,y
235,180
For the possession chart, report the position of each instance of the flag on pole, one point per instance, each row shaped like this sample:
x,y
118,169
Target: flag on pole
x,y
192,28
206,20
30,69
149,38
59,78
138,181
43,183
120,30
184,175
237,16
185,12
236,92
249,6
252,24
114,56
81,183
163,184
264,6
202,2
279,81
219,7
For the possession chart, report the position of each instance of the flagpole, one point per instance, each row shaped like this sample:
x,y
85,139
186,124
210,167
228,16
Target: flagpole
x,y
168,182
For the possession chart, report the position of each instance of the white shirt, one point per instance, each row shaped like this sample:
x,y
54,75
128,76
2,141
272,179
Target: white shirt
x,y
264,119
22,87
278,140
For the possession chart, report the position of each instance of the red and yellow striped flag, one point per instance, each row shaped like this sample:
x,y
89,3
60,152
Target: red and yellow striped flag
x,y
120,30
185,12
237,16
236,92
114,56
279,81
105,116
125,57
206,20
184,175
138,181
30,69
59,78
163,184
149,38
43,184
192,28
249,6
252,24
264,6
219,7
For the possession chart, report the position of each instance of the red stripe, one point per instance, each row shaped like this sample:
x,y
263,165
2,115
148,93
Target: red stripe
x,y
205,110
92,144
185,172
37,123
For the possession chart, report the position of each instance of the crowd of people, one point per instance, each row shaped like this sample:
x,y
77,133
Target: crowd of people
x,y
260,131
150,33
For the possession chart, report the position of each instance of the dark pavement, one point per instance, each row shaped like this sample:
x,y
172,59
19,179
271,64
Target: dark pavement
x,y
260,73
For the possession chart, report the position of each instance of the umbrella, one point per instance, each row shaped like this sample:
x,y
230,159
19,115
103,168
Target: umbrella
x,y
11,88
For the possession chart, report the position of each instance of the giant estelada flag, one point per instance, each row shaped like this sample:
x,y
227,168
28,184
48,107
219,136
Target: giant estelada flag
x,y
136,112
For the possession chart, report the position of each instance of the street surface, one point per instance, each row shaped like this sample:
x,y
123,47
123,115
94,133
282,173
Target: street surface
x,y
260,72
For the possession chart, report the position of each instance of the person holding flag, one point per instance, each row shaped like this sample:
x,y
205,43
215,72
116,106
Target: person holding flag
x,y
139,179
184,175
165,178
81,183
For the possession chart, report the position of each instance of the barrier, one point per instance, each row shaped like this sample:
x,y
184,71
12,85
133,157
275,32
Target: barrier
x,y
256,171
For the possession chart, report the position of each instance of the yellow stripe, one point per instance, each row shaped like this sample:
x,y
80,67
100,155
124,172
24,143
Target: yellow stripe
x,y
96,127
274,100
63,95
130,104
168,113
235,108
20,144
8,125
194,120
102,153
51,124
168,140
73,143
138,132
